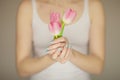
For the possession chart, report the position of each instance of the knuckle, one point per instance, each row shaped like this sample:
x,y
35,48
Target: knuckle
x,y
54,46
59,44
62,44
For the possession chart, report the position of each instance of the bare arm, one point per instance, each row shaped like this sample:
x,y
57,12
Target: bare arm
x,y
27,65
94,62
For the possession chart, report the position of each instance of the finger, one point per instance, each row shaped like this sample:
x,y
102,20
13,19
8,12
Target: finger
x,y
55,55
63,61
68,51
61,39
69,56
66,58
60,52
63,52
58,59
51,51
51,47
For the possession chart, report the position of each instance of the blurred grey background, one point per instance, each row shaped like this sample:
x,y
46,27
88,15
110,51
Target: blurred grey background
x,y
7,40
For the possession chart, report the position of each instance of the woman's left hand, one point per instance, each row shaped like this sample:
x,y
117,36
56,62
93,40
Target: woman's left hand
x,y
66,51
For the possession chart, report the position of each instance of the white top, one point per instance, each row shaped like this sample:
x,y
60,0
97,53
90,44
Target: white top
x,y
78,36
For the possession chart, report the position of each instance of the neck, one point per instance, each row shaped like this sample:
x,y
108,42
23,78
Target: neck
x,y
58,1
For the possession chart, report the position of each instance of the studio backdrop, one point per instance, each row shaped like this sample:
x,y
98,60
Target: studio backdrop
x,y
8,10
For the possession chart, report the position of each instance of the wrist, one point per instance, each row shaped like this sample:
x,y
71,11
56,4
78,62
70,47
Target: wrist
x,y
72,55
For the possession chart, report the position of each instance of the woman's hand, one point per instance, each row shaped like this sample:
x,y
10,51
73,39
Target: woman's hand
x,y
60,50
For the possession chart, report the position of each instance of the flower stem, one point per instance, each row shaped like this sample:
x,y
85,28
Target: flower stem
x,y
57,36
61,32
63,24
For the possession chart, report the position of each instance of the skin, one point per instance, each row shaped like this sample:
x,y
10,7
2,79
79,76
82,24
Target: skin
x,y
92,63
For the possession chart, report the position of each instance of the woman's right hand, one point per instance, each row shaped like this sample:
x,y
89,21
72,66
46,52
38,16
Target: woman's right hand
x,y
59,50
55,50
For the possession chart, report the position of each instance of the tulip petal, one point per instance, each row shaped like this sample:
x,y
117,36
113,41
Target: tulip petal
x,y
69,16
51,29
54,28
54,17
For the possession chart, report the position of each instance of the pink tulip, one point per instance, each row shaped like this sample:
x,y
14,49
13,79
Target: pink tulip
x,y
55,24
69,16
54,17
54,28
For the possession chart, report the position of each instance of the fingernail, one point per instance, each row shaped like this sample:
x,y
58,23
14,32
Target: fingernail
x,y
67,46
50,42
59,49
46,49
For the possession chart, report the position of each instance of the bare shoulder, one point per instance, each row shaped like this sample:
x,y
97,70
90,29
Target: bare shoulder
x,y
25,5
24,11
96,8
95,2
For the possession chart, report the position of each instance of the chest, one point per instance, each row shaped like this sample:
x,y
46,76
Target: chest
x,y
44,10
77,33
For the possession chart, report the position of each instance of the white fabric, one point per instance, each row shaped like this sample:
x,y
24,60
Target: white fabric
x,y
78,36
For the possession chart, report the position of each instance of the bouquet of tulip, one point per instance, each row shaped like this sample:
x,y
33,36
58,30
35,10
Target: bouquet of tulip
x,y
56,25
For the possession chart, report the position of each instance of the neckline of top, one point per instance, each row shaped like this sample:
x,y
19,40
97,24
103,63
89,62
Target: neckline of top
x,y
77,22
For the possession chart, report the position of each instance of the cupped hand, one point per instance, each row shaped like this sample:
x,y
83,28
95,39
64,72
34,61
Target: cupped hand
x,y
60,50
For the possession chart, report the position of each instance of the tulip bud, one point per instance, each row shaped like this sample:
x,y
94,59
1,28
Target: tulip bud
x,y
69,16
